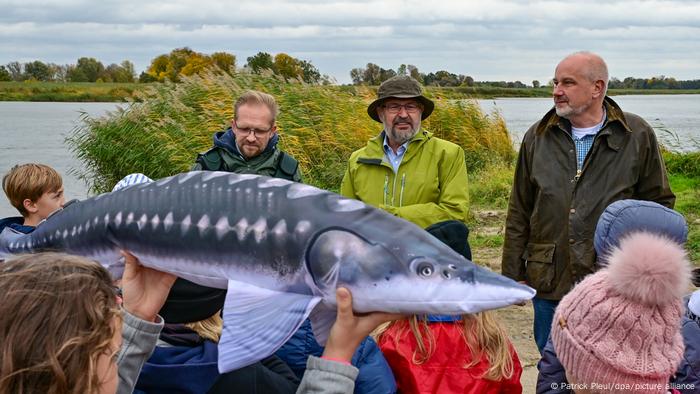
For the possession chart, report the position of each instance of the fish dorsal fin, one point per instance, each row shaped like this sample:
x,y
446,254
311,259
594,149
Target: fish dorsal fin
x,y
257,322
322,318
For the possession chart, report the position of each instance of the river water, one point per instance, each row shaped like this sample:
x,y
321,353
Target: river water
x,y
675,118
36,132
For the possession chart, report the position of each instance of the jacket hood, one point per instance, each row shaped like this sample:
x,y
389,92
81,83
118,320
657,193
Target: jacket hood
x,y
626,216
226,140
11,220
15,223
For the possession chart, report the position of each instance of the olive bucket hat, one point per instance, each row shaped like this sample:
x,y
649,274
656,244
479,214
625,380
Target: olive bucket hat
x,y
400,86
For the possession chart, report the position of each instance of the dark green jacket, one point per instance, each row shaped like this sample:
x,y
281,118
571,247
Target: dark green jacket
x,y
224,156
553,213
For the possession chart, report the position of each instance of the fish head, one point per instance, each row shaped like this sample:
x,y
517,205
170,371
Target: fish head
x,y
410,272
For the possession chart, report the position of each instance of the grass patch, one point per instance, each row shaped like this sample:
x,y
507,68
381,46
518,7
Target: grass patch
x,y
687,190
69,91
490,188
485,241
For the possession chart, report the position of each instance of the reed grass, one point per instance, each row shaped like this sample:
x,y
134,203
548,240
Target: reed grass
x,y
160,132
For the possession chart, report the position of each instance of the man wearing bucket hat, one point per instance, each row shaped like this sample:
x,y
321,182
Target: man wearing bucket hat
x,y
405,170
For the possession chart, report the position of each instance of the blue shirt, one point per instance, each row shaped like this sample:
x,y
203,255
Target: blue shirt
x,y
394,158
583,145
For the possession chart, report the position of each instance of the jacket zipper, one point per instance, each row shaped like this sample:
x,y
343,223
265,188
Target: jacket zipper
x,y
386,187
403,183
393,194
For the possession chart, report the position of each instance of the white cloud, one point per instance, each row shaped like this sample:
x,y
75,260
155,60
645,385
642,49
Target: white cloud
x,y
501,39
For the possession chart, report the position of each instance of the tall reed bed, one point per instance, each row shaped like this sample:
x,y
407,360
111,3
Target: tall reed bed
x,y
320,126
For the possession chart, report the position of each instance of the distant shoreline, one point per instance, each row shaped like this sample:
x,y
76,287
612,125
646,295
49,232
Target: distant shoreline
x,y
121,92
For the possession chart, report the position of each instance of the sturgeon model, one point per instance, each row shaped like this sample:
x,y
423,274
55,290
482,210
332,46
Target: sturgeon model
x,y
280,248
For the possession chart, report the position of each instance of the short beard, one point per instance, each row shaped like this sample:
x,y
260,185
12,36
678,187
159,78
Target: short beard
x,y
569,111
401,138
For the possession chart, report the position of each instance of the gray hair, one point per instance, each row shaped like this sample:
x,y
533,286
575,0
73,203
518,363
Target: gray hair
x,y
255,97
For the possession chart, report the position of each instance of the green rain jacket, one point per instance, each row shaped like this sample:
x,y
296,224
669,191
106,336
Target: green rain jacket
x,y
430,185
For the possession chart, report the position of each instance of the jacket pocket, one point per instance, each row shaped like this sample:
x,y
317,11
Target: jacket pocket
x,y
539,266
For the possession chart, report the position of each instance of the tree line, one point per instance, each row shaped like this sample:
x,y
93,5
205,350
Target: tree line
x,y
185,61
171,66
86,69
373,74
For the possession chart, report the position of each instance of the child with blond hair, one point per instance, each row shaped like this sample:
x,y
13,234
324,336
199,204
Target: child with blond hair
x,y
451,354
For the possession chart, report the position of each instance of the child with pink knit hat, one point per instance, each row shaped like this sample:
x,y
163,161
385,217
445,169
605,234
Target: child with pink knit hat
x,y
618,330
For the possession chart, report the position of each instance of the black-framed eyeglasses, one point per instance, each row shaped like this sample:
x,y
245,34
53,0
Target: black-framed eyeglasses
x,y
258,133
411,108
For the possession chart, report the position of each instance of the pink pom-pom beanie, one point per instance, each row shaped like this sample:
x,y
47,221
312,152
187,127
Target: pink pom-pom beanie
x,y
618,330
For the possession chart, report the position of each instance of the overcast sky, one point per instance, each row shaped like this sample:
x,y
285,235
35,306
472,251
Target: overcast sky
x,y
488,40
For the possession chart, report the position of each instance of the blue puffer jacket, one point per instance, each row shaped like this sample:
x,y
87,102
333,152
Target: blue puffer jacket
x,y
687,379
375,375
619,219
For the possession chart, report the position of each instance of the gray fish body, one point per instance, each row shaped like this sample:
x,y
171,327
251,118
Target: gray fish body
x,y
274,244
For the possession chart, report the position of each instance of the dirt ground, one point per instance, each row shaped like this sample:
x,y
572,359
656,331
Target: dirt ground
x,y
516,319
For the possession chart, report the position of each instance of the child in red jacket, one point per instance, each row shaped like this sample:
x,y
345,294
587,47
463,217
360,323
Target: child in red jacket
x,y
464,354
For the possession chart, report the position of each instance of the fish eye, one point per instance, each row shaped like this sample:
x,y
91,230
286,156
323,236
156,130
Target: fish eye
x,y
425,269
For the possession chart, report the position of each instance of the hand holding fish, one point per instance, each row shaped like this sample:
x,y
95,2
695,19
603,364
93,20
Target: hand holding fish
x,y
144,289
279,248
350,329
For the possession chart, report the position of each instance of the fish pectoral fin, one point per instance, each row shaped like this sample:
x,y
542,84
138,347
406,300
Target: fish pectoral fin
x,y
322,319
257,322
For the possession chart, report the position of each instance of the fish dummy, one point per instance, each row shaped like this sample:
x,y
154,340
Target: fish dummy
x,y
280,248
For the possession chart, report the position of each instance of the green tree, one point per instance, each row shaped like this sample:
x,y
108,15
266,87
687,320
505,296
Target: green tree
x,y
467,81
260,61
74,74
402,70
123,72
88,69
16,70
129,73
58,72
145,77
372,74
535,84
356,74
4,74
309,72
225,61
385,74
37,70
414,73
287,66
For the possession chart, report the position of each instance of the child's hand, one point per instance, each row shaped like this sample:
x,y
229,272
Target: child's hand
x,y
144,289
350,329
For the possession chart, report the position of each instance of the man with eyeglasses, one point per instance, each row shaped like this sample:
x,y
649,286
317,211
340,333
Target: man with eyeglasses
x,y
407,171
249,146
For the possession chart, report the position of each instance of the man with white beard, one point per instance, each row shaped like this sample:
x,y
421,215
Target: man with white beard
x,y
407,171
584,154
